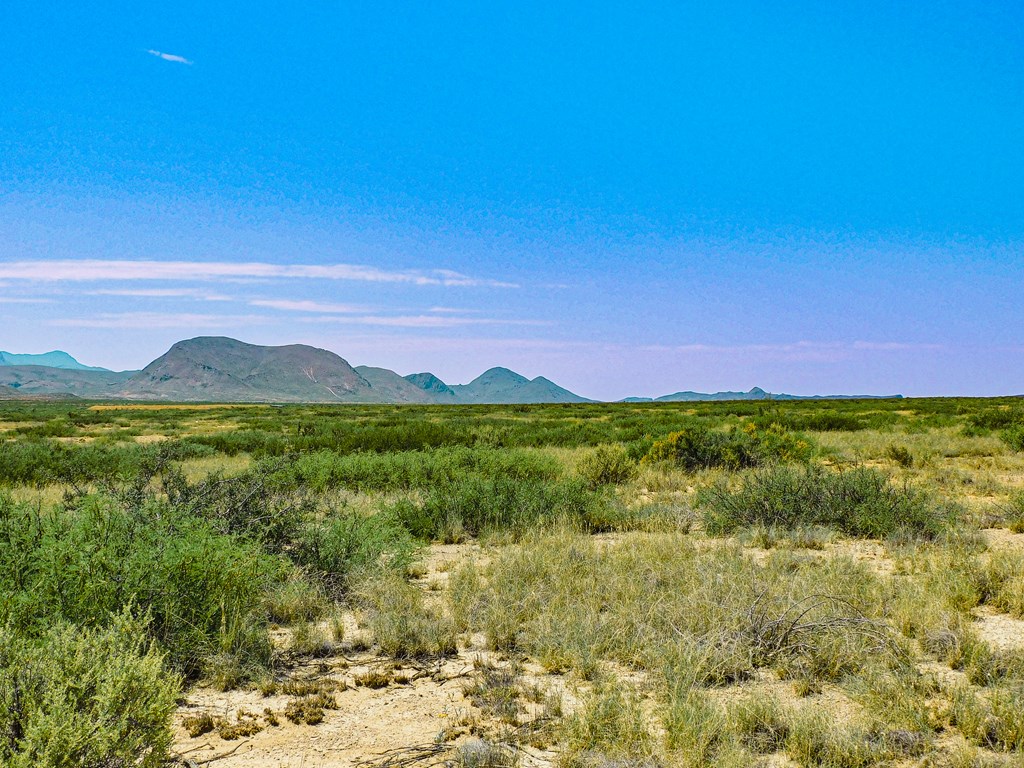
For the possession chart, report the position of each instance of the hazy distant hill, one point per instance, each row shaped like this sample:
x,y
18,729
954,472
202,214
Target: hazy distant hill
x,y
392,388
44,380
55,359
500,385
754,394
433,386
219,369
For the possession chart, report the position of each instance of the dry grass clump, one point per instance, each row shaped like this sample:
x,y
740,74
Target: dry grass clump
x,y
198,724
245,724
323,685
402,625
664,600
609,728
496,691
310,709
380,677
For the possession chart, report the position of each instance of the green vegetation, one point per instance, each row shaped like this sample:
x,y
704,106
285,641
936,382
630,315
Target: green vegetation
x,y
716,583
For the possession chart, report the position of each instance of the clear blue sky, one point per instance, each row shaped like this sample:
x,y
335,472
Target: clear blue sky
x,y
627,198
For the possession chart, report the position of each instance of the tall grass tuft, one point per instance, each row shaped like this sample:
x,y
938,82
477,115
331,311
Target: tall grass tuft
x,y
860,502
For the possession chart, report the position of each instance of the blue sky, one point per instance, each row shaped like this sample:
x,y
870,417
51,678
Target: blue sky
x,y
626,198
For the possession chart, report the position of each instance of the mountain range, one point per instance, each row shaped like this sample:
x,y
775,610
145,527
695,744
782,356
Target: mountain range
x,y
220,369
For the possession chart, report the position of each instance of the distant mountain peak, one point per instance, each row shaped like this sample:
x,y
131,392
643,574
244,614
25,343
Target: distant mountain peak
x,y
54,359
428,382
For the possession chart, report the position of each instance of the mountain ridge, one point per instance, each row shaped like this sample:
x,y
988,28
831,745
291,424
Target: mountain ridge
x,y
222,369
55,359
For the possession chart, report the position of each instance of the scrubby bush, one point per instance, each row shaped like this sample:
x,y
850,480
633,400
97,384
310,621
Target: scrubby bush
x,y
606,465
859,502
402,625
698,447
475,505
84,698
345,545
1014,437
203,590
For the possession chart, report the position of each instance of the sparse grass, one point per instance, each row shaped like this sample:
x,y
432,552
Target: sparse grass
x,y
763,635
860,502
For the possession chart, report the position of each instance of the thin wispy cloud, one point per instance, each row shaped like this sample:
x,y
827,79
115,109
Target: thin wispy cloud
x,y
454,310
308,306
174,58
160,293
145,320
418,321
12,300
89,270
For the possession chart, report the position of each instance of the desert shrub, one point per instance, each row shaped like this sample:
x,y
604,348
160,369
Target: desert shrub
x,y
93,697
264,504
606,465
996,418
294,600
816,738
402,625
860,502
203,590
609,726
995,720
900,455
662,601
1014,437
694,724
346,545
698,447
1004,582
1013,513
408,470
761,722
476,505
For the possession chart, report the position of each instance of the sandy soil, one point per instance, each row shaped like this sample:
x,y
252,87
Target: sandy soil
x,y
422,712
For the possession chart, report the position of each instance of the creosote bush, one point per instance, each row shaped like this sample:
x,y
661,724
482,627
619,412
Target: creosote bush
x,y
606,465
859,502
698,447
77,697
475,506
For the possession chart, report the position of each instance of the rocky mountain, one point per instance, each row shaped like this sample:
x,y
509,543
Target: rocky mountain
x,y
392,388
500,385
219,369
45,380
433,386
55,359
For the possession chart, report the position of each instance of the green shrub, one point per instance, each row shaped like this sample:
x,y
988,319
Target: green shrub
x,y
1014,437
346,545
859,502
900,455
606,465
476,505
79,697
698,447
203,590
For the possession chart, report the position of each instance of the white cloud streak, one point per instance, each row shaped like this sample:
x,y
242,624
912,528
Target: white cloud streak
x,y
87,270
160,293
141,320
308,306
169,57
418,321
